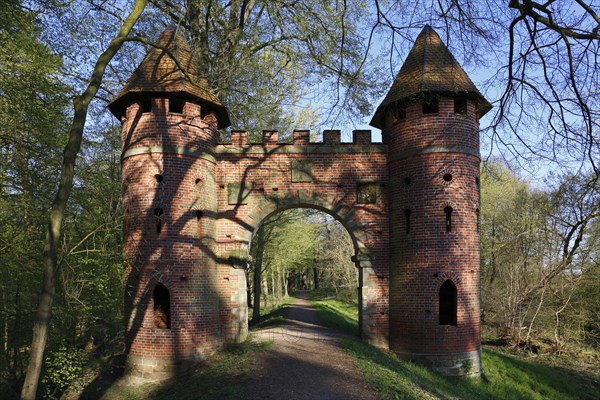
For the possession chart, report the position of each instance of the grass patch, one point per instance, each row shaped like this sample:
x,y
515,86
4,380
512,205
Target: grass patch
x,y
273,315
507,376
218,378
334,312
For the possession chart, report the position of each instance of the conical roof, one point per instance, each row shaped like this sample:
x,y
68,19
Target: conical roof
x,y
430,68
158,73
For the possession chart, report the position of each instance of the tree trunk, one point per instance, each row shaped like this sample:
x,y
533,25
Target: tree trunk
x,y
316,276
80,106
258,275
248,289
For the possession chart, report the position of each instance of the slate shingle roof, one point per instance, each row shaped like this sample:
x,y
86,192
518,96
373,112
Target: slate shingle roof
x,y
158,73
430,68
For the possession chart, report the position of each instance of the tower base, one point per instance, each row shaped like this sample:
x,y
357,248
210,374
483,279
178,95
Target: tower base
x,y
457,364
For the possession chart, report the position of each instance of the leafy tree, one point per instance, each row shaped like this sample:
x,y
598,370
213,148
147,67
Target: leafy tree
x,y
32,121
53,234
537,247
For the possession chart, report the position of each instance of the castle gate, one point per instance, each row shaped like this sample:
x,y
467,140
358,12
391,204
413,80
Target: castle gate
x,y
192,204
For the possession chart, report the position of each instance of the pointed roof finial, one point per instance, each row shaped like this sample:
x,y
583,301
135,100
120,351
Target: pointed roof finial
x,y
430,68
169,69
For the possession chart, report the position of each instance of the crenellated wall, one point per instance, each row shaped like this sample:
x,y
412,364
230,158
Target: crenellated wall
x,y
346,180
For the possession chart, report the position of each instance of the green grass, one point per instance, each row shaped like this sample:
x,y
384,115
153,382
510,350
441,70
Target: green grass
x,y
218,379
273,315
507,376
335,310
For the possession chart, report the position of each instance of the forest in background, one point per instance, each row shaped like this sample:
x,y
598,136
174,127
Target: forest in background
x,y
540,267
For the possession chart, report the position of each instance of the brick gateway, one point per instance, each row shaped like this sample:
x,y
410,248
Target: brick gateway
x,y
192,204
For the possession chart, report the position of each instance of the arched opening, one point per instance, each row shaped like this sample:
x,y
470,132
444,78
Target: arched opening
x,y
162,307
304,252
448,212
158,215
448,303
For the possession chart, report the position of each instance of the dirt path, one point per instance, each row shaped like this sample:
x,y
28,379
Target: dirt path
x,y
305,362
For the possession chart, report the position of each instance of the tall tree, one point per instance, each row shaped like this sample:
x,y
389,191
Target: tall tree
x,y
32,120
80,108
262,56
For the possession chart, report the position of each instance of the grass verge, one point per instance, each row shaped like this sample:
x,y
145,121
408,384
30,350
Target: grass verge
x,y
273,315
218,378
335,311
507,376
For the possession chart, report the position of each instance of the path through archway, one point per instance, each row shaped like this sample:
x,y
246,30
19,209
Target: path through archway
x,y
304,250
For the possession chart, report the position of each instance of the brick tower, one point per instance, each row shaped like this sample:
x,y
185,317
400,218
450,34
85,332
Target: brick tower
x,y
430,122
169,133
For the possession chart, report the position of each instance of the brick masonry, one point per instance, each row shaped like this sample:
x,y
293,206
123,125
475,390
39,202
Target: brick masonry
x,y
192,205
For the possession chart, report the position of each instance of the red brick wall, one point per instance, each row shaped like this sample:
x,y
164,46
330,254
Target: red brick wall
x,y
182,255
266,170
424,258
198,259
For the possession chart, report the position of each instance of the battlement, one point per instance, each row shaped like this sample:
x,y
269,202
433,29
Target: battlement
x,y
300,138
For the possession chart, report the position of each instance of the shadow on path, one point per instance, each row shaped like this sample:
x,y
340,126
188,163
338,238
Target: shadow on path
x,y
305,362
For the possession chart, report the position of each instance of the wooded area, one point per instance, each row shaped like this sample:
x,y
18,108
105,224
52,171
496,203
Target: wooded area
x,y
286,64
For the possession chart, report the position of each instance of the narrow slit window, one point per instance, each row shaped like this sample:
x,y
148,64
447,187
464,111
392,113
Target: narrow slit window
x,y
478,216
158,177
176,106
448,211
430,106
199,214
460,105
158,215
146,106
448,303
400,111
162,307
407,213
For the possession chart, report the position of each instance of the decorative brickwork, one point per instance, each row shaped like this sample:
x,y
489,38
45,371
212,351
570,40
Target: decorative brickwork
x,y
192,206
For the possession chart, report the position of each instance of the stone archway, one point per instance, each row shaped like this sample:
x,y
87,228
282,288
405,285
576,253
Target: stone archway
x,y
355,230
344,180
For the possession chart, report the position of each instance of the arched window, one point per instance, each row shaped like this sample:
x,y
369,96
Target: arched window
x,y
162,307
448,211
158,214
448,303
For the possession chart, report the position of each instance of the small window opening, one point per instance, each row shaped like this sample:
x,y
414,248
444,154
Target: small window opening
x,y
407,180
448,304
199,214
460,105
146,105
477,181
447,177
198,180
430,106
478,216
400,111
159,178
158,213
448,211
205,112
162,307
407,213
176,106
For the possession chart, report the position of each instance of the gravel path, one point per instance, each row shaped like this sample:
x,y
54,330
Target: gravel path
x,y
305,362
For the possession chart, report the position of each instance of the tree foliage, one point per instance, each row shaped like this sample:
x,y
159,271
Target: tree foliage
x,y
300,249
538,257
